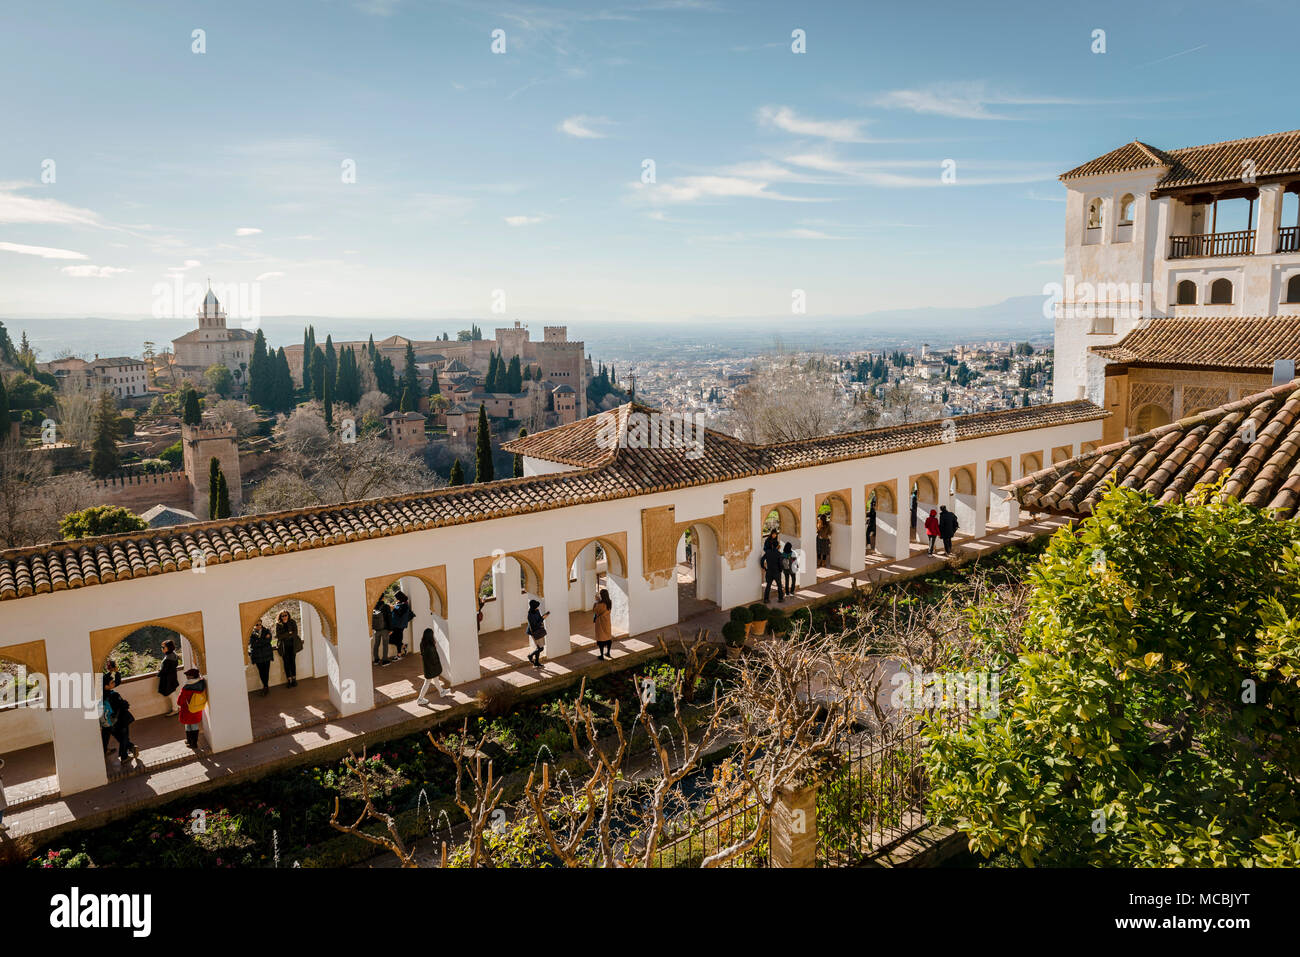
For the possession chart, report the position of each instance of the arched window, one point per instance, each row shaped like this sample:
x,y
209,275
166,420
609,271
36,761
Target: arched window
x,y
1221,292
1150,417
1094,213
1126,207
1187,293
1293,288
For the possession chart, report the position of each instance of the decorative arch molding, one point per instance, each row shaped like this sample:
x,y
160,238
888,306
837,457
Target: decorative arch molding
x,y
189,626
322,599
840,501
886,495
999,472
434,579
616,543
789,508
1031,462
919,481
529,558
1062,452
962,479
738,528
660,532
31,655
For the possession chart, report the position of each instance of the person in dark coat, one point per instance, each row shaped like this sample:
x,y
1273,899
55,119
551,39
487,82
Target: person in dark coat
x,y
288,644
106,714
432,665
260,653
167,681
537,630
122,719
947,528
914,504
771,565
402,616
381,626
871,527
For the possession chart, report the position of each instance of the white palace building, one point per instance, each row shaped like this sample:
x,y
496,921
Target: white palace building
x,y
593,503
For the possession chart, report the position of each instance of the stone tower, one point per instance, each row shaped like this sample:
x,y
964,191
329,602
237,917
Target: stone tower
x,y
199,445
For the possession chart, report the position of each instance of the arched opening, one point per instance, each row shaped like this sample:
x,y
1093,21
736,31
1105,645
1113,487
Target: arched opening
x,y
1030,463
963,496
834,531
26,727
1221,292
882,521
426,605
1293,289
1127,205
505,587
300,690
699,571
999,476
925,495
1093,222
1149,417
595,565
1186,293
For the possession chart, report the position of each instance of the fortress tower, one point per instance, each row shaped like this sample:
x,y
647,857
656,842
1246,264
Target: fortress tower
x,y
199,445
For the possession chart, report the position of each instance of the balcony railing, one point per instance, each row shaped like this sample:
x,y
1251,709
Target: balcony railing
x,y
1239,243
1288,239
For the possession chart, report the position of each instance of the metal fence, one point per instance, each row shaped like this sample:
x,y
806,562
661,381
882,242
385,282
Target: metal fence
x,y
696,838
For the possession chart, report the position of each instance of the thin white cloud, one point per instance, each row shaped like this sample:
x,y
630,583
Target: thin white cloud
x,y
45,252
186,267
247,231
784,118
268,275
689,189
30,209
93,272
523,220
584,127
968,100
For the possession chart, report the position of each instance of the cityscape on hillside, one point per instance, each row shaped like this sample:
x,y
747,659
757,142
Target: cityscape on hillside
x,y
486,461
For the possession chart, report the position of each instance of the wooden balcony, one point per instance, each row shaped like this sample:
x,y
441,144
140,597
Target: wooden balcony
x,y
1239,243
1288,239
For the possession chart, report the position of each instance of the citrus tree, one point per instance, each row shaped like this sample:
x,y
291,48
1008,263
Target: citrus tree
x,y
1148,718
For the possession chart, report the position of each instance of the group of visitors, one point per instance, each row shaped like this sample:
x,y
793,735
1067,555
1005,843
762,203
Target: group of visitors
x,y
388,628
941,525
263,647
780,565
116,718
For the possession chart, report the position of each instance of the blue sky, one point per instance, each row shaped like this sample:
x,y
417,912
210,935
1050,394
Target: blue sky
x,y
522,171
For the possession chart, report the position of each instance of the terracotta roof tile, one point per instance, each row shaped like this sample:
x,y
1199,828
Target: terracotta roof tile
x,y
1273,154
1246,343
602,474
1253,444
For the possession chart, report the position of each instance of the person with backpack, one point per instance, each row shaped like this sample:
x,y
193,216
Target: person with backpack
x,y
167,681
432,666
537,630
603,619
106,714
771,565
402,616
122,719
947,528
789,566
288,643
260,653
932,528
191,704
381,626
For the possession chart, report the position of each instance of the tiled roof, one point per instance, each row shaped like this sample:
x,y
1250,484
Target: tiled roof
x,y
603,474
1273,154
1256,440
1246,343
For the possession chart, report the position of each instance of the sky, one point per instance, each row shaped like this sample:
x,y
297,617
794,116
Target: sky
x,y
655,159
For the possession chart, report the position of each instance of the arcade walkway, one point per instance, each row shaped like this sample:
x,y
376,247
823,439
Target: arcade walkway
x,y
290,724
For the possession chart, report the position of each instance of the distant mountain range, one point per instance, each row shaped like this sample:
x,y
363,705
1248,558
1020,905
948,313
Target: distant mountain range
x,y
1020,317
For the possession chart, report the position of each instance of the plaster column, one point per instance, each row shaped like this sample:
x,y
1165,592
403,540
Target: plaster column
x,y
226,721
75,690
903,540
462,650
349,671
1270,219
807,541
979,521
555,577
857,530
1004,509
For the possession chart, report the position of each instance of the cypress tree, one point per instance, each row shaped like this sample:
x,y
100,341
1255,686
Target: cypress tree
x,y
331,365
410,375
5,418
214,486
306,361
223,497
514,383
457,476
283,395
405,404
191,414
483,448
318,373
104,460
490,383
434,387
327,399
519,459
260,372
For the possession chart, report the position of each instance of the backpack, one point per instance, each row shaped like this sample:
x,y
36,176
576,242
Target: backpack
x,y
377,620
198,701
105,714
787,563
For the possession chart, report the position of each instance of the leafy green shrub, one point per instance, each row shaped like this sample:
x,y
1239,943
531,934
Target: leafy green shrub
x,y
173,455
759,612
733,632
742,615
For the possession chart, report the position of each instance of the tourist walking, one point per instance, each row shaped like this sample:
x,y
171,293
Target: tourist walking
x,y
112,677
288,643
260,653
823,540
914,504
167,681
789,566
947,528
191,704
122,719
381,627
932,528
402,616
432,665
771,565
604,621
537,630
871,527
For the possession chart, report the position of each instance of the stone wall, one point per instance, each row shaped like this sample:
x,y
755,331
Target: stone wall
x,y
142,492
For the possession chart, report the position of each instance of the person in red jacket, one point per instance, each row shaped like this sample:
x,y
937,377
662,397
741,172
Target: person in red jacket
x,y
932,528
191,704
